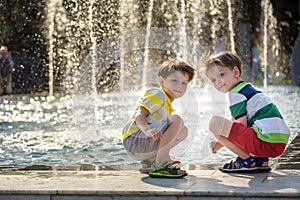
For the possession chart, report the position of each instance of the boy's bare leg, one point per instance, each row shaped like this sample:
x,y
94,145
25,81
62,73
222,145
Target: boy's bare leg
x,y
234,148
146,162
175,133
221,127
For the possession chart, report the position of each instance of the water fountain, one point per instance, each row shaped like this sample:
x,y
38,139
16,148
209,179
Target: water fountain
x,y
232,46
270,42
146,52
107,66
182,27
265,60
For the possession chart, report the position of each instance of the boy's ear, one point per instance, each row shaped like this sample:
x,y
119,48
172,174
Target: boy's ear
x,y
160,80
236,71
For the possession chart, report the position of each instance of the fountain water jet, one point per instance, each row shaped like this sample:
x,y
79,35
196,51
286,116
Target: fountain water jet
x,y
182,31
231,30
93,68
51,14
265,52
146,51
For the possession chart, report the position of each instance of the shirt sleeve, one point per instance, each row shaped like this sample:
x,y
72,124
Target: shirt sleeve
x,y
152,100
238,105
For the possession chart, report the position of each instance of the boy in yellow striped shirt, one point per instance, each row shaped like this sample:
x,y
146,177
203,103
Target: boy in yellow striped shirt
x,y
153,131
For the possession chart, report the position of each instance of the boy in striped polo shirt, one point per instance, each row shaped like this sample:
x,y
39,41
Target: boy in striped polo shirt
x,y
153,131
257,131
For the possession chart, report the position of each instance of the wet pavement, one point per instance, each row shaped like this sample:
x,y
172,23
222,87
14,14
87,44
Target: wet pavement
x,y
93,182
129,184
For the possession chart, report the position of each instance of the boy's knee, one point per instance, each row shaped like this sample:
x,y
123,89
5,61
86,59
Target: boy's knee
x,y
214,121
185,132
182,134
176,119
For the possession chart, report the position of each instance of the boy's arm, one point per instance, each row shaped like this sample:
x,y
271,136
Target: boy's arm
x,y
141,121
141,118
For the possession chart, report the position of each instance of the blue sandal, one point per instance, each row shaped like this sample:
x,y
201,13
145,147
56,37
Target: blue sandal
x,y
242,166
259,162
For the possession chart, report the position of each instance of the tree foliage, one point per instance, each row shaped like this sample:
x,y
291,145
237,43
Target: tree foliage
x,y
22,30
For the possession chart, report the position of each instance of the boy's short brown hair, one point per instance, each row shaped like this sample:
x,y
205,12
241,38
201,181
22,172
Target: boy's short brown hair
x,y
224,58
172,65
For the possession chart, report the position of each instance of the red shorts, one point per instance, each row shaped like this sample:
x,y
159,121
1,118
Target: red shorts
x,y
246,138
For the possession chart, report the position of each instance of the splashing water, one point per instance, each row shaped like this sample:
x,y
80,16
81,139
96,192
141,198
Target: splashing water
x,y
41,130
107,81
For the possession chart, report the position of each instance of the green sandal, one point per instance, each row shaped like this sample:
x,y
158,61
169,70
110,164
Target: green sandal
x,y
166,171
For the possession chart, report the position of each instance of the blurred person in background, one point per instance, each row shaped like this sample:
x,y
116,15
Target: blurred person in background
x,y
6,70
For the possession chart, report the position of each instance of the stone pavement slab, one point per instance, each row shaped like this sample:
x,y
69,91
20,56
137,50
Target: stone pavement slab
x,y
130,184
290,159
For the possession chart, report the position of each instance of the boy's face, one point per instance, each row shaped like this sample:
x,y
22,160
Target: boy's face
x,y
175,84
224,79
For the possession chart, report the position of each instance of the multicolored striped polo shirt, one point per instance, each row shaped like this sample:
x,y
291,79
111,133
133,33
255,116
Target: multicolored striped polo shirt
x,y
159,107
262,115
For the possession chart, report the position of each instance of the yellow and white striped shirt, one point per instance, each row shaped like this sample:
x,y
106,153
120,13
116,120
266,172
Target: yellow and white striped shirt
x,y
159,106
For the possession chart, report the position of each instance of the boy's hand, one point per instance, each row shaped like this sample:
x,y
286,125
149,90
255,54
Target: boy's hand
x,y
140,119
215,146
155,133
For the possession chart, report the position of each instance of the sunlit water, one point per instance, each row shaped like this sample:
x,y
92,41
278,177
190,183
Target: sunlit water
x,y
39,130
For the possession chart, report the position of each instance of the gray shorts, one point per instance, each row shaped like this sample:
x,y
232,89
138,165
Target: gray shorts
x,y
142,147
